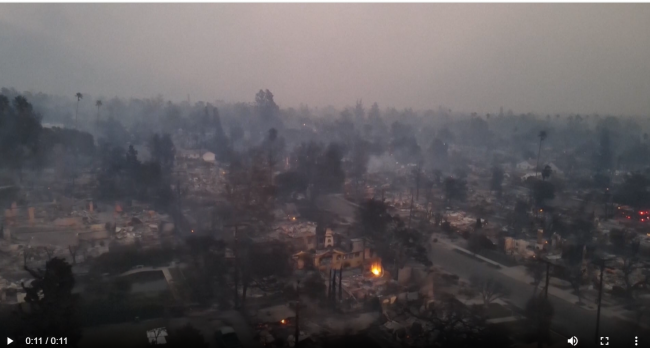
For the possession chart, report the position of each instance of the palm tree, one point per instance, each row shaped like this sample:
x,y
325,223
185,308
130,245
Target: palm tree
x,y
76,111
98,103
273,135
542,137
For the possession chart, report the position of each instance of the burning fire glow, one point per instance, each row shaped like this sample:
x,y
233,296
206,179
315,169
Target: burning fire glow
x,y
376,269
283,321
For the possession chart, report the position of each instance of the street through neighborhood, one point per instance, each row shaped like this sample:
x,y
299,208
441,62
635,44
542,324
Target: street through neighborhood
x,y
569,319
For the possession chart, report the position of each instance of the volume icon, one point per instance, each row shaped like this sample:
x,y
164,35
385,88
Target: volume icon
x,y
573,341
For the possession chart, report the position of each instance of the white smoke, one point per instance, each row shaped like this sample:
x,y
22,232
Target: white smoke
x,y
383,163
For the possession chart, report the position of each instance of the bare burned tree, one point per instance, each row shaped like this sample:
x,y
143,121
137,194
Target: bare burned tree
x,y
489,289
26,253
73,249
49,251
631,263
450,323
536,271
641,304
539,314
576,278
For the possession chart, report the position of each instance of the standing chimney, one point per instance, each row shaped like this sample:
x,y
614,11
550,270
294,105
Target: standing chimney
x,y
91,207
30,212
8,216
14,211
6,233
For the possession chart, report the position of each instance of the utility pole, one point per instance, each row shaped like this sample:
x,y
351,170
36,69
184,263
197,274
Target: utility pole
x,y
236,255
542,304
540,313
417,182
600,294
548,268
297,333
340,283
236,275
411,210
180,210
178,193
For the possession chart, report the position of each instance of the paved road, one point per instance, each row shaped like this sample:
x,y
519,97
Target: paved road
x,y
569,320
338,205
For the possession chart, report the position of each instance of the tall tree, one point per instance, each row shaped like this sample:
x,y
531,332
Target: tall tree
x,y
604,155
98,103
267,109
273,136
76,110
631,262
373,218
576,278
360,157
330,176
542,191
51,305
113,131
539,314
359,112
455,189
496,182
489,289
546,172
163,150
132,166
20,133
258,262
536,270
439,154
542,136
373,114
222,146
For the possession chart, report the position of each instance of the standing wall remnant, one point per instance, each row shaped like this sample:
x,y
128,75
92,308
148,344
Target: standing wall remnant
x,y
31,214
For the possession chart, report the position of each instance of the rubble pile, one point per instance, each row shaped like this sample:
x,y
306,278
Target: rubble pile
x,y
145,226
360,285
74,229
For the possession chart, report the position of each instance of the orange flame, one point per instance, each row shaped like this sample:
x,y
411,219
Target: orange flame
x,y
376,269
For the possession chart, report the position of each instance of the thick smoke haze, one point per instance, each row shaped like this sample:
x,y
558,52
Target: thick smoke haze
x,y
550,58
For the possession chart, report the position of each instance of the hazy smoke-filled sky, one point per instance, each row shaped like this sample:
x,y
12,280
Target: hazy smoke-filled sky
x,y
548,58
